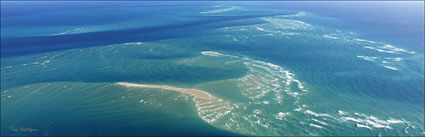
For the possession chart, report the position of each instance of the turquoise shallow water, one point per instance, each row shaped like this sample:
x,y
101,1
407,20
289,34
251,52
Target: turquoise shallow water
x,y
271,71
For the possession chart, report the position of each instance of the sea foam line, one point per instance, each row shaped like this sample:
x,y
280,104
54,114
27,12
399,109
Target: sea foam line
x,y
221,10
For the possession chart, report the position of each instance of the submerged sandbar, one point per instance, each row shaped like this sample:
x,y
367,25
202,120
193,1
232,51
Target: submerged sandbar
x,y
199,94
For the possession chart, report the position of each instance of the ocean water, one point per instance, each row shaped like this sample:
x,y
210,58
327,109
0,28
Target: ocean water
x,y
212,68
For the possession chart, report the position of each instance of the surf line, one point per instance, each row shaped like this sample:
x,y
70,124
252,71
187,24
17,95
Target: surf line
x,y
198,94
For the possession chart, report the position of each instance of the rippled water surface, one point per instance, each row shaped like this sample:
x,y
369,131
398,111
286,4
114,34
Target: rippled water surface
x,y
209,68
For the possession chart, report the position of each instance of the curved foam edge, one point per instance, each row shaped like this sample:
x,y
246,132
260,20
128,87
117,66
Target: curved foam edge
x,y
268,77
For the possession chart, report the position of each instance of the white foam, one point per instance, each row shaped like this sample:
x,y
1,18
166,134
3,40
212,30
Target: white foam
x,y
353,119
387,48
264,77
134,43
220,10
377,49
340,112
314,125
257,111
213,110
75,31
396,49
368,58
375,124
298,109
377,119
385,62
358,114
288,24
264,30
318,114
275,27
390,67
363,126
211,53
320,122
330,37
311,113
394,121
261,79
363,40
281,115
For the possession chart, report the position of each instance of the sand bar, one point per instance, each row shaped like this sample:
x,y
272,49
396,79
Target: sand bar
x,y
199,94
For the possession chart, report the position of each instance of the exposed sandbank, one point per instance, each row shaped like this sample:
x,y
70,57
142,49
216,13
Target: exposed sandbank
x,y
199,94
